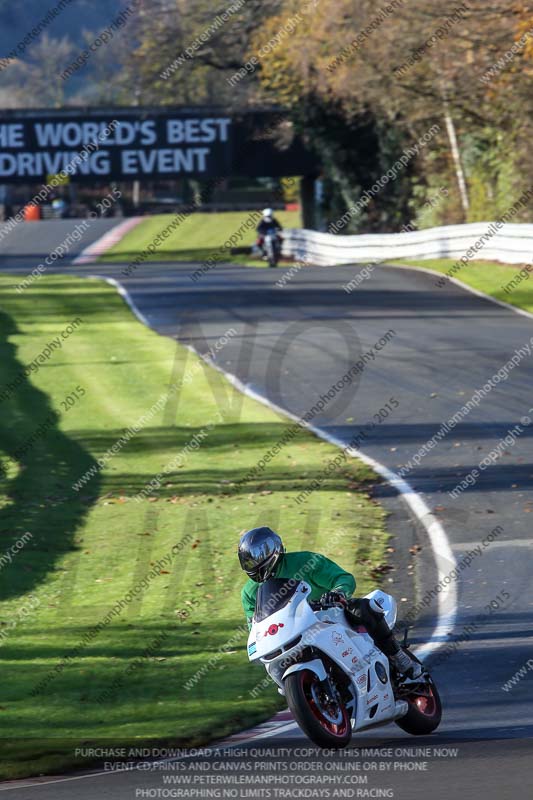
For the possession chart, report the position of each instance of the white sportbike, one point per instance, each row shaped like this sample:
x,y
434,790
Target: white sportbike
x,y
333,676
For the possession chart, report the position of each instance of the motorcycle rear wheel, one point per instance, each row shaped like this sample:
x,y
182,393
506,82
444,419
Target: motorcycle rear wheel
x,y
424,707
326,724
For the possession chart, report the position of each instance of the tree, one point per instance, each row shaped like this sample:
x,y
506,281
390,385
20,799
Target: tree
x,y
36,81
187,50
412,66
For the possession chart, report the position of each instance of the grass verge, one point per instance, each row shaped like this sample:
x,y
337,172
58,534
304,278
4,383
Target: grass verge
x,y
198,237
490,277
68,676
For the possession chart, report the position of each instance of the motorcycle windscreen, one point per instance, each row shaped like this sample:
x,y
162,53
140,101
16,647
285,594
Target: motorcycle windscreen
x,y
272,595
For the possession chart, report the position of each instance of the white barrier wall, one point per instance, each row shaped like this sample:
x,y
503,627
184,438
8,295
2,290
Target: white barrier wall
x,y
512,244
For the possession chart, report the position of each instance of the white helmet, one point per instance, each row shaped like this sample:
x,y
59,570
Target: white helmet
x,y
267,213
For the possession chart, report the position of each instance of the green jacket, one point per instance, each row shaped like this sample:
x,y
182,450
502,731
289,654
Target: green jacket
x,y
322,574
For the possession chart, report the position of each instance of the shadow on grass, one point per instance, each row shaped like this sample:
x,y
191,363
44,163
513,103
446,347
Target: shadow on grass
x,y
50,461
220,452
146,706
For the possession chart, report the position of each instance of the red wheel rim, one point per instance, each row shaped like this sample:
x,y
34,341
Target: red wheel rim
x,y
310,682
425,702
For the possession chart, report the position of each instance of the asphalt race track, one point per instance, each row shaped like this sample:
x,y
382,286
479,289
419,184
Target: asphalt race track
x,y
292,345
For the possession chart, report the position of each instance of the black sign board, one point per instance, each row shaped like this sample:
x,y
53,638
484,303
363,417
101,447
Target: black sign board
x,y
141,144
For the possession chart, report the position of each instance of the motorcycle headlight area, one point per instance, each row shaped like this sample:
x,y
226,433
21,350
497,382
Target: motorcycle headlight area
x,y
286,647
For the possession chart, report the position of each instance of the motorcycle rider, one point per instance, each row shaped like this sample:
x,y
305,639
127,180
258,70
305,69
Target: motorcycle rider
x,y
262,556
266,223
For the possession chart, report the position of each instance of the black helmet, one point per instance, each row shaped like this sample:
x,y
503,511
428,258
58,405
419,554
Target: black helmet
x,y
259,551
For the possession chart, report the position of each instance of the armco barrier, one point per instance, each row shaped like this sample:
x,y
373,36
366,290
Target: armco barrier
x,y
511,243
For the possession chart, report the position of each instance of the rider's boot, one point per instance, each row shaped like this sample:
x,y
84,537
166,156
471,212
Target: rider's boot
x,y
388,644
406,665
372,616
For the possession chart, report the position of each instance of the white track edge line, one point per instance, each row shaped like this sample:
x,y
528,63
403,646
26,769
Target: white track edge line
x,y
465,286
440,544
125,296
277,731
442,551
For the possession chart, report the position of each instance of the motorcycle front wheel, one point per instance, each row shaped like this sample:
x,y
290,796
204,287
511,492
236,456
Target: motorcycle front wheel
x,y
325,721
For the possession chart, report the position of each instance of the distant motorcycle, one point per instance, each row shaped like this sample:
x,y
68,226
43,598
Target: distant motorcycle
x,y
334,677
271,246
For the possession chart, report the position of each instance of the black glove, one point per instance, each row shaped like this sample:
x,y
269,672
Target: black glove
x,y
333,598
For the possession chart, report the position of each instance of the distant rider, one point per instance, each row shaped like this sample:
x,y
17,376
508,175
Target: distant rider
x,y
262,556
266,223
